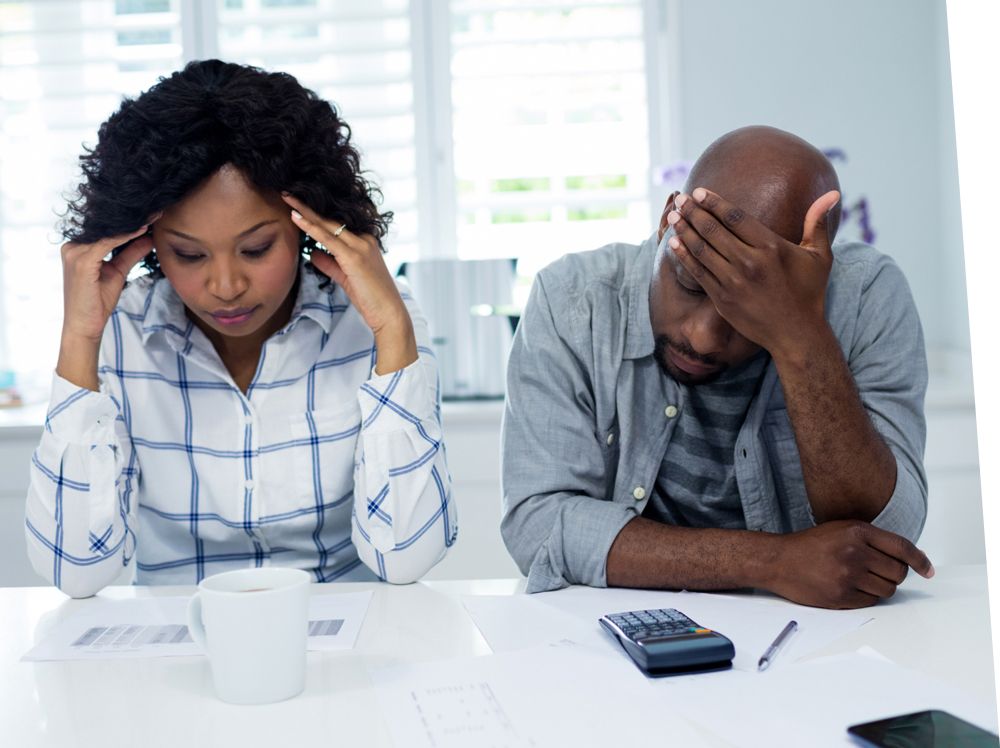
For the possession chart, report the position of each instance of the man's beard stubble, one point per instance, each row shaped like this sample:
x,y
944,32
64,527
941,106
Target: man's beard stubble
x,y
662,343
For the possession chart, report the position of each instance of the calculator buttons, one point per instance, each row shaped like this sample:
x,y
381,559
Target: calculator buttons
x,y
666,642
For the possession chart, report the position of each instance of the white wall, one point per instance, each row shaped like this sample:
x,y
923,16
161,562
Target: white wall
x,y
16,446
871,78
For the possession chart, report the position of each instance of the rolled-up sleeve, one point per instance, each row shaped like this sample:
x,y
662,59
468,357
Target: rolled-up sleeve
x,y
78,514
558,523
889,365
404,517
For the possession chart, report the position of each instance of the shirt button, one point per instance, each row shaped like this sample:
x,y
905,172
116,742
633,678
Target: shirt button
x,y
670,411
248,484
248,420
611,439
639,493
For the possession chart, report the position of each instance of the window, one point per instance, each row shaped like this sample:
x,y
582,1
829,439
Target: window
x,y
357,55
503,128
64,66
550,128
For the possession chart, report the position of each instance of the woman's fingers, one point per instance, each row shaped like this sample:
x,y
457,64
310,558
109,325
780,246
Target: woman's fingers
x,y
125,260
329,266
92,284
323,230
111,243
103,247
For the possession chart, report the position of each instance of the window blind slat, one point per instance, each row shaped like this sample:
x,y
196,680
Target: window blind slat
x,y
537,90
524,95
64,66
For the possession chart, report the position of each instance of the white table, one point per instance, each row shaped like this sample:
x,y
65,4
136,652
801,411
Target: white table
x,y
938,627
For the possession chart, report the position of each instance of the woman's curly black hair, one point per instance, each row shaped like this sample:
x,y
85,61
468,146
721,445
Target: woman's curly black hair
x,y
162,144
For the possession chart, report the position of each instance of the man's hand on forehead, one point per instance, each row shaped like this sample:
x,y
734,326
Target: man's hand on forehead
x,y
770,290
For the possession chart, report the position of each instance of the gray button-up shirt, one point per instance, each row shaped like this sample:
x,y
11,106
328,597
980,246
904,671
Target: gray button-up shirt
x,y
586,426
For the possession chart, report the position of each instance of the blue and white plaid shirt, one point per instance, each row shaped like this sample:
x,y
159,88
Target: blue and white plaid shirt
x,y
321,465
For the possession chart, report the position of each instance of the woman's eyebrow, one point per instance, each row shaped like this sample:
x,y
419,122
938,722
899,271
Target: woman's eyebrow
x,y
238,236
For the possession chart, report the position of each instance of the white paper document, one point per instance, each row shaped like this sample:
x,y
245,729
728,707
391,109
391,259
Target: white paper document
x,y
157,627
555,695
568,694
813,703
513,622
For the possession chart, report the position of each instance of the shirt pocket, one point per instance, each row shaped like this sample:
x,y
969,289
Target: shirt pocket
x,y
786,466
323,460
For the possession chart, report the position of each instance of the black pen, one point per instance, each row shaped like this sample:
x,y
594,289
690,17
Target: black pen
x,y
770,652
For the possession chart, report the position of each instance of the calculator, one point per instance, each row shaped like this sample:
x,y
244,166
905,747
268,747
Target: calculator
x,y
666,642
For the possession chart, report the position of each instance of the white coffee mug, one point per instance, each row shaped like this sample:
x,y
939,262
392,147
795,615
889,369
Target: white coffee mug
x,y
253,623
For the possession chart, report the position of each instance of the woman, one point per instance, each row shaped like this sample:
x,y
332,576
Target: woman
x,y
234,407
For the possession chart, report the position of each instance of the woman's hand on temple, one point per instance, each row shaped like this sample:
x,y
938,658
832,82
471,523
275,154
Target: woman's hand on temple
x,y
91,289
355,263
92,285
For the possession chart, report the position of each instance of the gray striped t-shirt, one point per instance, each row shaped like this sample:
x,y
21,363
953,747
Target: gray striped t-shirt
x,y
696,485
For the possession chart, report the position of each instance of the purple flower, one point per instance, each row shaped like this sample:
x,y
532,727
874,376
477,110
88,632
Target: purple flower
x,y
672,174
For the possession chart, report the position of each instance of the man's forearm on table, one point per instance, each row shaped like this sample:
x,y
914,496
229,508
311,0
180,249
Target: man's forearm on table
x,y
649,554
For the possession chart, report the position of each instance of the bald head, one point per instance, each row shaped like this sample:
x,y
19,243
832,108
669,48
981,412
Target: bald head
x,y
772,174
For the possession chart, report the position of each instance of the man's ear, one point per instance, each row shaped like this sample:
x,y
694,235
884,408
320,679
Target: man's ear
x,y
669,206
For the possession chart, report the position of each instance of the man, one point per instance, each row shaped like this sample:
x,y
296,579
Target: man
x,y
730,404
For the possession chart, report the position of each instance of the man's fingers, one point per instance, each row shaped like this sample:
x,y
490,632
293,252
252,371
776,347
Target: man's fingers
x,y
700,229
737,221
887,567
697,246
873,584
901,549
694,265
857,599
815,229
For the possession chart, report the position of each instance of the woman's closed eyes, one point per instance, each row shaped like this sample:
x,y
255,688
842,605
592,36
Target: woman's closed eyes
x,y
252,253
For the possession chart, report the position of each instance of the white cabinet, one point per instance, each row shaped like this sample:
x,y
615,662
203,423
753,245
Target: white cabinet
x,y
16,445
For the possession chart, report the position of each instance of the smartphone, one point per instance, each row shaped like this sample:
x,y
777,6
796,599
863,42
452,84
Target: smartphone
x,y
933,728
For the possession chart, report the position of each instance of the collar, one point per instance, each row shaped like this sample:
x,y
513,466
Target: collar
x,y
638,277
164,310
